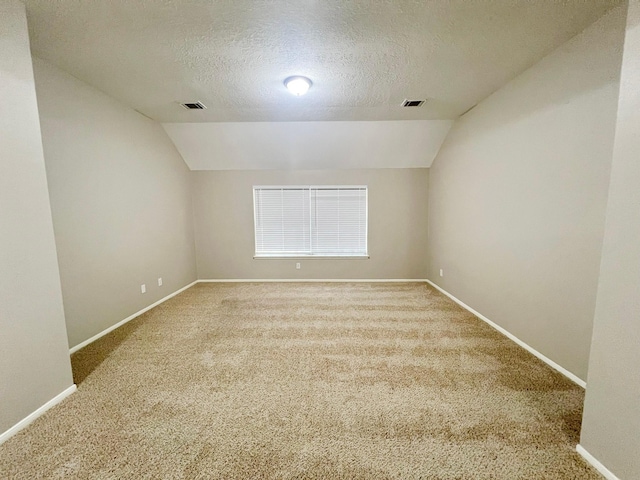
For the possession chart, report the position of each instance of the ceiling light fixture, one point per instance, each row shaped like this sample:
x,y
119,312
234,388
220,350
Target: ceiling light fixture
x,y
297,85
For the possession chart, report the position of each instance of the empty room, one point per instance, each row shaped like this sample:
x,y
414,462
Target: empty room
x,y
320,239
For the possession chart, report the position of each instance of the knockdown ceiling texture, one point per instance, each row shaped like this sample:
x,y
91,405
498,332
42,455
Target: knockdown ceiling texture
x,y
364,57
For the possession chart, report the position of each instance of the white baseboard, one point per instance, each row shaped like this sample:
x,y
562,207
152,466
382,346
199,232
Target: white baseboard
x,y
595,463
509,335
318,280
128,319
30,418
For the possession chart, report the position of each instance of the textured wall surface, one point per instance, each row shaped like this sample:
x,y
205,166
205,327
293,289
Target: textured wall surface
x,y
517,196
611,422
121,202
34,354
223,207
364,57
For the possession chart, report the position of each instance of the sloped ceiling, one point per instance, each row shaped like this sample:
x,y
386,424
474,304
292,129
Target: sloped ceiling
x,y
364,58
308,145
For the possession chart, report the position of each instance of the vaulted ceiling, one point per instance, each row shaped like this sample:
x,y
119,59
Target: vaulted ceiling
x,y
364,57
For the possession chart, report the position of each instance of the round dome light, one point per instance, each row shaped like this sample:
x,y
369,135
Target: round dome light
x,y
297,85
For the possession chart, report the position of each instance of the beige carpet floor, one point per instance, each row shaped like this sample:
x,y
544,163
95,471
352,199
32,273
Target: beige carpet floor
x,y
306,381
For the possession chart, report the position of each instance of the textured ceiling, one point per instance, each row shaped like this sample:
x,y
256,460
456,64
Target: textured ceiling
x,y
364,57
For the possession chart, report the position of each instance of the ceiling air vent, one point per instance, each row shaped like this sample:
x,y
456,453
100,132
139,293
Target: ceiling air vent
x,y
194,106
413,103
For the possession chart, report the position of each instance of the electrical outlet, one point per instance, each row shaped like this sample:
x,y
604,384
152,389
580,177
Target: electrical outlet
x,y
143,288
159,281
298,266
441,273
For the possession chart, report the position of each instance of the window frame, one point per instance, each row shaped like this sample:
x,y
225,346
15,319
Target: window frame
x,y
317,256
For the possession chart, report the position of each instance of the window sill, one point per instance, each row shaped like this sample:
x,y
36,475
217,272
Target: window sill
x,y
311,257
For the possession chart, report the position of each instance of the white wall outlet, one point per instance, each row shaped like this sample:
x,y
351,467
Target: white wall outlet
x,y
143,288
159,281
441,273
298,266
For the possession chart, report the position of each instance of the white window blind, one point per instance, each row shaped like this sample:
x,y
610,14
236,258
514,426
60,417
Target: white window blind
x,y
310,220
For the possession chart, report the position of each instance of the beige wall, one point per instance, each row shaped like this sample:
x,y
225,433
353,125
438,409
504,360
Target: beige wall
x,y
121,201
223,204
34,355
611,421
517,196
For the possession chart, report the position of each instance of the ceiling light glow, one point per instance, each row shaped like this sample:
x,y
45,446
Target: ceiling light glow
x,y
297,85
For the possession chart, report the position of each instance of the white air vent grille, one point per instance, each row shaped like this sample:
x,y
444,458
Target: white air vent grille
x,y
194,106
413,103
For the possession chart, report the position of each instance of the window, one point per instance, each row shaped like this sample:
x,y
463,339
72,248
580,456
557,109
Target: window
x,y
322,221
